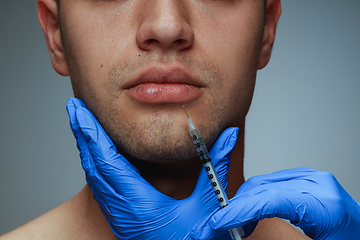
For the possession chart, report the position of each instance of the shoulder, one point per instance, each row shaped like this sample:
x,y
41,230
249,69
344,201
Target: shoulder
x,y
51,225
276,229
79,218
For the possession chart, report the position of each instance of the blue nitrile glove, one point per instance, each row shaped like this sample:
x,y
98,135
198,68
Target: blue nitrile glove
x,y
133,207
311,200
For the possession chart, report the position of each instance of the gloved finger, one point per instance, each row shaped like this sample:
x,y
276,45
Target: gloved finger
x,y
300,208
87,163
72,105
283,176
221,150
120,173
220,154
99,143
76,109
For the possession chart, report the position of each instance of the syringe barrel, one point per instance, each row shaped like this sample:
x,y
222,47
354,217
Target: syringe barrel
x,y
212,174
216,184
200,145
209,167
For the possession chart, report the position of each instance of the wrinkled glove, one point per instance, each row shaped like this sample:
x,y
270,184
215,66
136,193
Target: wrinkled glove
x,y
133,207
311,200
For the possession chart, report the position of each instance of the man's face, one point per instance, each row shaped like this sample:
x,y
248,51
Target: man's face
x,y
135,63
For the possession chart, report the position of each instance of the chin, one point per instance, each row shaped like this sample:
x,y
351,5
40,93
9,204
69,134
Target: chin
x,y
159,151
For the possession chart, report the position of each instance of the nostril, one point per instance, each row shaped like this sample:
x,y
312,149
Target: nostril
x,y
158,33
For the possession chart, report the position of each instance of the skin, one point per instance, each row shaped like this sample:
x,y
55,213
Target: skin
x,y
166,33
103,45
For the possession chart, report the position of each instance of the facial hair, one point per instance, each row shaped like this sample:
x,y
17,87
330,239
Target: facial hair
x,y
160,136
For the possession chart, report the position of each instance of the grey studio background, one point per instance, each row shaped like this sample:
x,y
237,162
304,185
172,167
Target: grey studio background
x,y
305,110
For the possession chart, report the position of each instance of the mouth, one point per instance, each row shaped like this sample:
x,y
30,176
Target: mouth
x,y
164,84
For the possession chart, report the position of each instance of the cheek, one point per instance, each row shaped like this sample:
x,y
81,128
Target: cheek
x,y
96,40
241,48
232,43
237,62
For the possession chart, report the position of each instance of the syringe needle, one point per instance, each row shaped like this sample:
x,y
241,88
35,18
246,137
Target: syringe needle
x,y
190,121
186,111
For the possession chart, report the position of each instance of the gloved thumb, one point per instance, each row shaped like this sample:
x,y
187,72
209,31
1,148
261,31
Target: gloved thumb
x,y
221,151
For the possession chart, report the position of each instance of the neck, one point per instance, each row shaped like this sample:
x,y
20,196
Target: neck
x,y
176,180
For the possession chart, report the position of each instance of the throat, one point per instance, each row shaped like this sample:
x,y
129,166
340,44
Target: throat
x,y
176,179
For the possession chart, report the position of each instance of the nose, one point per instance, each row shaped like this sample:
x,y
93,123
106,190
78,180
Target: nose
x,y
164,26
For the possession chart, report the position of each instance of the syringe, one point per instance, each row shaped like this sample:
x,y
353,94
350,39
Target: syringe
x,y
208,165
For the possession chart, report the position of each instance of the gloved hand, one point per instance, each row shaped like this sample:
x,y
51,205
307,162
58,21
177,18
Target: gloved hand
x,y
311,200
133,207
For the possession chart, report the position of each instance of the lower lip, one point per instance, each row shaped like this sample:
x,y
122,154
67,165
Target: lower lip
x,y
164,93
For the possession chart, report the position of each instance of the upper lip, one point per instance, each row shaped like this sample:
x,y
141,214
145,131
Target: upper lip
x,y
158,73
